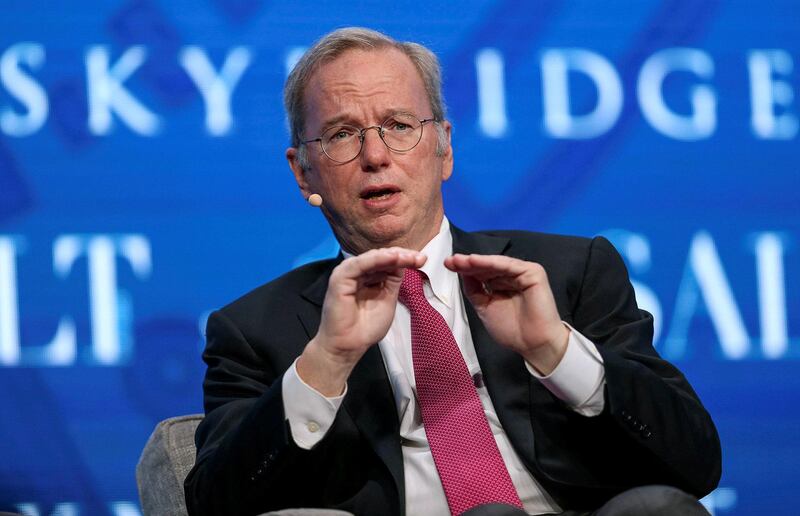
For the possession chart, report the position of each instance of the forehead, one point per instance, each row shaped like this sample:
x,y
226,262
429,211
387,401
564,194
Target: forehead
x,y
365,84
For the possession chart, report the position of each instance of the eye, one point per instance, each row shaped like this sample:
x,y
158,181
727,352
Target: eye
x,y
397,126
339,134
401,123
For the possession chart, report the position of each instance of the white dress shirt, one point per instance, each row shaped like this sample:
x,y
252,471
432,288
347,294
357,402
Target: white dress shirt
x,y
578,380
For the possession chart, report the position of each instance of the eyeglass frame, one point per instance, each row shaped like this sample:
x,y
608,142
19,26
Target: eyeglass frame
x,y
362,135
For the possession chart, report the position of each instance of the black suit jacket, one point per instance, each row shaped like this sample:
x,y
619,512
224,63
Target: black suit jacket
x,y
653,429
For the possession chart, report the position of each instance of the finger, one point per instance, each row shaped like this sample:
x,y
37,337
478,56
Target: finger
x,y
488,266
381,260
380,278
374,279
498,275
485,290
475,290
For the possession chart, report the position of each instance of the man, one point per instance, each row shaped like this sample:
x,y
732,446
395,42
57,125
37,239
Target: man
x,y
515,370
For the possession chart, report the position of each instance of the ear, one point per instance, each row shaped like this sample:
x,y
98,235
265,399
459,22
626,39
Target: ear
x,y
298,171
447,156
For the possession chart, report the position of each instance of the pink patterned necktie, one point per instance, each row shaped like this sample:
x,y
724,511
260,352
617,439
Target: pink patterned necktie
x,y
464,450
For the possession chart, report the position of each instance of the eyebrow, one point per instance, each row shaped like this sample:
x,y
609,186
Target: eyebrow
x,y
348,120
336,120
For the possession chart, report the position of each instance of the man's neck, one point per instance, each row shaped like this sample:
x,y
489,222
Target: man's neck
x,y
352,249
444,225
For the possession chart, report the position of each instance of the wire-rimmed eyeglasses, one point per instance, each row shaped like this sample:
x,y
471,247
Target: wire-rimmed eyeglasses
x,y
400,132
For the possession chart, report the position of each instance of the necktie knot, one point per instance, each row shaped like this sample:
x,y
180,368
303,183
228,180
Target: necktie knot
x,y
411,287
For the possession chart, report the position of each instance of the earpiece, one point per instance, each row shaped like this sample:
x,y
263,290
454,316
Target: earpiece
x,y
315,200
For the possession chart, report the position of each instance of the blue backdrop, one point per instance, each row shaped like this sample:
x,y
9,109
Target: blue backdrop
x,y
142,184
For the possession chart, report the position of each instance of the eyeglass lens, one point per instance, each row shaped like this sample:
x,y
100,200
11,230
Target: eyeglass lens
x,y
400,132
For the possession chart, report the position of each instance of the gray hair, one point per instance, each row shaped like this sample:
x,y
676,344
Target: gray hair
x,y
336,43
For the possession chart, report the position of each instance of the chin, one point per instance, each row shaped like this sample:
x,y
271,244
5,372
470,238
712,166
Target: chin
x,y
385,234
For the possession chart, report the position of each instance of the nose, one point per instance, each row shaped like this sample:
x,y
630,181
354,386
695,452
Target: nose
x,y
374,152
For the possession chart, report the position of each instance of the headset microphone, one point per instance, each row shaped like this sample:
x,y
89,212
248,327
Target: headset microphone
x,y
315,200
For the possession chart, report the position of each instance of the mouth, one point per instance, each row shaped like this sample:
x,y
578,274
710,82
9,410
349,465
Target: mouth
x,y
379,192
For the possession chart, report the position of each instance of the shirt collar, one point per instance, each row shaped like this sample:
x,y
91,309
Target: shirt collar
x,y
442,280
440,277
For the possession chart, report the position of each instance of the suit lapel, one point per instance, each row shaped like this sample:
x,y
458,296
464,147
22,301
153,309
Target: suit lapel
x,y
315,295
504,372
369,400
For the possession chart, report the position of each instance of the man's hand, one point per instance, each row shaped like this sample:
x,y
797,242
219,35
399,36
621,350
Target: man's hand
x,y
513,299
357,312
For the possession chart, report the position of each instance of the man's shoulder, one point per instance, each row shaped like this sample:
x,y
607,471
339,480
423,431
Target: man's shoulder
x,y
282,292
530,244
536,237
561,255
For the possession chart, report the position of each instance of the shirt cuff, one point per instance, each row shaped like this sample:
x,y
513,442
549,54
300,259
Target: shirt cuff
x,y
310,414
579,379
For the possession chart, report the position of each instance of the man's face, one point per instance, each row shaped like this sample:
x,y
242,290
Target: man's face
x,y
382,198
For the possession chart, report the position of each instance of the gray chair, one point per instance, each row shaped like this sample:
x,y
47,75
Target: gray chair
x,y
166,460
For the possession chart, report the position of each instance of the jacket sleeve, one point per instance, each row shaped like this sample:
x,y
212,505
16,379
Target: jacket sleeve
x,y
653,428
247,461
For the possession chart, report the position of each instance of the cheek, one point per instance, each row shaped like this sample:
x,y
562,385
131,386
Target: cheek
x,y
432,183
337,191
